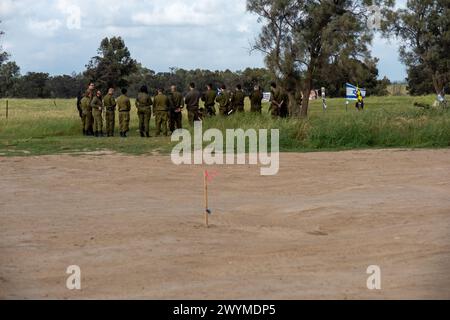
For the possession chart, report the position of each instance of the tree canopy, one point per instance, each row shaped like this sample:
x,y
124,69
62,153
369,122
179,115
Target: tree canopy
x,y
424,29
3,55
112,64
301,37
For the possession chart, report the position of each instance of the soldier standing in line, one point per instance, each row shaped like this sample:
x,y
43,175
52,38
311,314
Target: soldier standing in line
x,y
238,100
97,108
223,99
110,114
176,108
256,98
124,107
284,107
192,101
90,119
275,101
161,110
86,112
80,97
144,105
209,98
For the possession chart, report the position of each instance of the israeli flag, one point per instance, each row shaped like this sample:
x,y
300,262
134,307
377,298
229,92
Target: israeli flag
x,y
352,92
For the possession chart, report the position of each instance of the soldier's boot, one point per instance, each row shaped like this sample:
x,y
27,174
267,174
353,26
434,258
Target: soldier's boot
x,y
142,134
147,134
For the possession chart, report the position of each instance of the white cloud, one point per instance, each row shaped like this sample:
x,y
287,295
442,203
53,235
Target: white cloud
x,y
179,13
6,7
45,28
72,13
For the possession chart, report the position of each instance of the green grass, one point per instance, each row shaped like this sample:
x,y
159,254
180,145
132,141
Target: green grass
x,y
39,127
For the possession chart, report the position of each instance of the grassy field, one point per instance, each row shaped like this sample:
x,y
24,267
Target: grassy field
x,y
38,127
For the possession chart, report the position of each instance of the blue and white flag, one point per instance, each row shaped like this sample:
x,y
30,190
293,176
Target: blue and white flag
x,y
352,92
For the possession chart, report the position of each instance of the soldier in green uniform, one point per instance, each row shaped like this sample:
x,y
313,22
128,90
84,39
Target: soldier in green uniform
x,y
110,114
90,119
144,105
124,107
86,112
176,107
238,99
161,110
275,100
80,97
192,101
209,98
284,107
97,109
256,98
223,99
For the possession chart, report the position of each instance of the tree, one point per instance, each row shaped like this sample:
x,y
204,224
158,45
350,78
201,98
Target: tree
x,y
363,73
112,64
9,75
419,80
258,76
33,85
299,37
3,55
424,28
66,86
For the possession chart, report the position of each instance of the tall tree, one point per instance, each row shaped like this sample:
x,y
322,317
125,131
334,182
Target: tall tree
x,y
9,75
424,28
419,80
299,37
112,65
3,55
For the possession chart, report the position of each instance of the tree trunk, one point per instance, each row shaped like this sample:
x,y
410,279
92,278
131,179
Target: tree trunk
x,y
437,83
294,107
306,93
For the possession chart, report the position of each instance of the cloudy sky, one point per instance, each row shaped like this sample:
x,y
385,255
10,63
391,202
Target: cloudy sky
x,y
60,36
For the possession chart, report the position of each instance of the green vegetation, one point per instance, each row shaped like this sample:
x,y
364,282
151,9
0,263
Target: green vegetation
x,y
42,127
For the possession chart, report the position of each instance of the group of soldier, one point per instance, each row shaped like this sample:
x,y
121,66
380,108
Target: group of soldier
x,y
167,108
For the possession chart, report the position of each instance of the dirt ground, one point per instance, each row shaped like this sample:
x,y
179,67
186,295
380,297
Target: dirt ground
x,y
134,225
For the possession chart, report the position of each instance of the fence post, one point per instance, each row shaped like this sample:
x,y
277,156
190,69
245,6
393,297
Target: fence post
x,y
7,108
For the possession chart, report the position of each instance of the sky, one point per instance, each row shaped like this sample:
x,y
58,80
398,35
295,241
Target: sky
x,y
60,36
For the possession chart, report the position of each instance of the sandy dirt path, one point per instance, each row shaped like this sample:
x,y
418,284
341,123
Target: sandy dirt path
x,y
134,226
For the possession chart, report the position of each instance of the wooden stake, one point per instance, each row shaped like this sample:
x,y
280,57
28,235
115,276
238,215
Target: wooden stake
x,y
7,109
206,199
